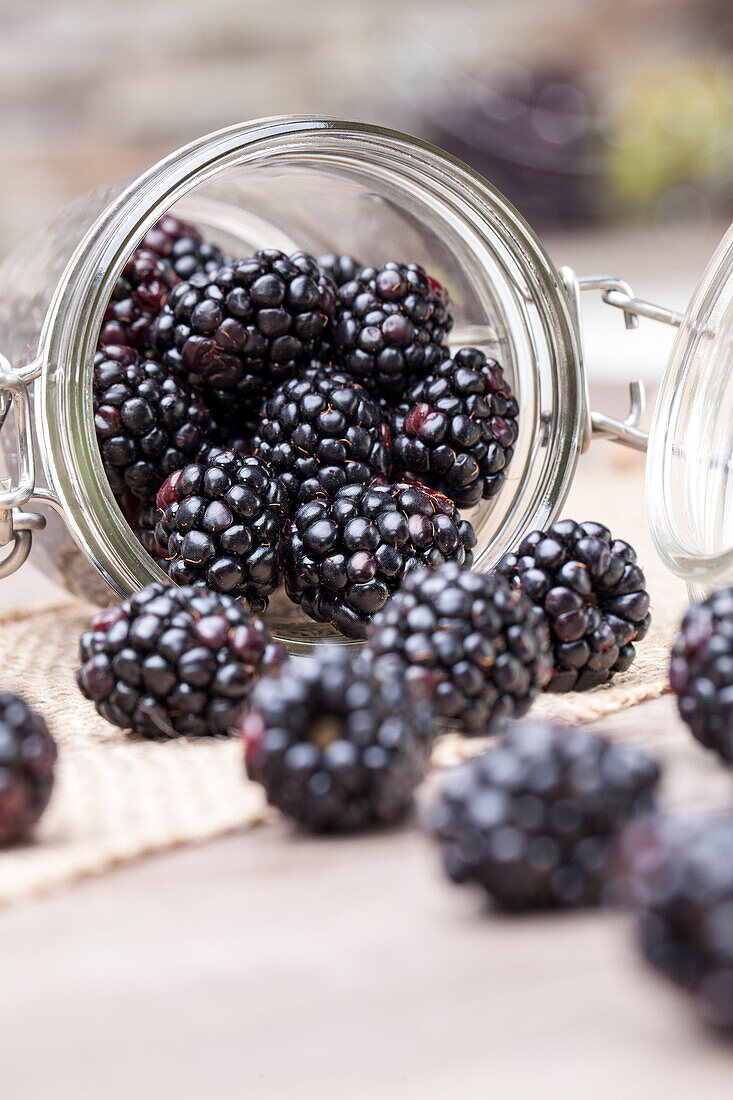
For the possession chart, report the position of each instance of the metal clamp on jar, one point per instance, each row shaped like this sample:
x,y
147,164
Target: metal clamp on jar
x,y
325,184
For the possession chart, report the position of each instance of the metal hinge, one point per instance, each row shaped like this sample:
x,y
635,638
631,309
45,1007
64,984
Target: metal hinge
x,y
16,526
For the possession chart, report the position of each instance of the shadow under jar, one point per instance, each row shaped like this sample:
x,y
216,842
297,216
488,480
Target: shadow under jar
x,y
290,183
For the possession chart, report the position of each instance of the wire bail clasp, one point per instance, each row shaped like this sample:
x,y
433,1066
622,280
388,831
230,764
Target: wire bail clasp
x,y
17,526
616,292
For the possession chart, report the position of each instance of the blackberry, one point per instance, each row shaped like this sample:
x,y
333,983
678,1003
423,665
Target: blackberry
x,y
145,532
458,427
333,750
27,760
183,246
678,875
478,647
246,326
138,297
223,526
701,672
319,432
172,662
166,233
344,557
391,327
593,593
340,269
534,820
147,423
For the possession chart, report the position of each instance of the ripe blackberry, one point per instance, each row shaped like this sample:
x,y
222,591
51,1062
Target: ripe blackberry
x,y
166,233
175,662
477,646
458,427
701,672
223,526
340,269
332,751
319,432
248,325
145,532
147,423
138,297
391,327
344,557
534,820
593,594
678,874
27,760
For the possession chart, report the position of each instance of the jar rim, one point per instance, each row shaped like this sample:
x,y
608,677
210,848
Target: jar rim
x,y
74,318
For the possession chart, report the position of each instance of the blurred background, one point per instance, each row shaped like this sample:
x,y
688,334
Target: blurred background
x,y
607,122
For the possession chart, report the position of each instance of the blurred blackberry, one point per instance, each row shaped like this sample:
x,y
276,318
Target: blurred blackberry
x,y
701,672
457,428
172,662
678,874
147,423
138,297
27,761
319,432
478,648
166,233
246,326
344,557
223,526
331,751
593,594
145,532
340,269
391,327
533,821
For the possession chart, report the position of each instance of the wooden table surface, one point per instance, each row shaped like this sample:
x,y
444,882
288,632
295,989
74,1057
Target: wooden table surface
x,y
270,965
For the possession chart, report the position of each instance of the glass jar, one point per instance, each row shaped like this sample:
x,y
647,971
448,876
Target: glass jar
x,y
321,185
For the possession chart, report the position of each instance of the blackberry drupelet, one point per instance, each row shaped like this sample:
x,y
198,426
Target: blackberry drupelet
x,y
344,557
27,761
248,325
701,672
333,750
678,875
173,662
138,297
339,268
475,645
223,526
457,428
534,820
593,593
147,423
319,432
391,327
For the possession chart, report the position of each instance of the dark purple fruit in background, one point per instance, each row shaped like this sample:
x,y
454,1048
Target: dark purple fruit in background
x,y
27,762
701,672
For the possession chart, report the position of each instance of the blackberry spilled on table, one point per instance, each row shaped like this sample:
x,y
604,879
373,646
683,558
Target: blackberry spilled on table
x,y
27,761
321,431
223,526
333,750
593,593
534,820
391,327
147,423
246,326
171,662
344,557
476,646
457,428
339,268
678,875
138,297
701,672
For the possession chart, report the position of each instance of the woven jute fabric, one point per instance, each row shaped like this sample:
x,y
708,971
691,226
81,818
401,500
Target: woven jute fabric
x,y
117,798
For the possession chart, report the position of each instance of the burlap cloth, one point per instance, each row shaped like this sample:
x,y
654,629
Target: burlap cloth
x,y
117,799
